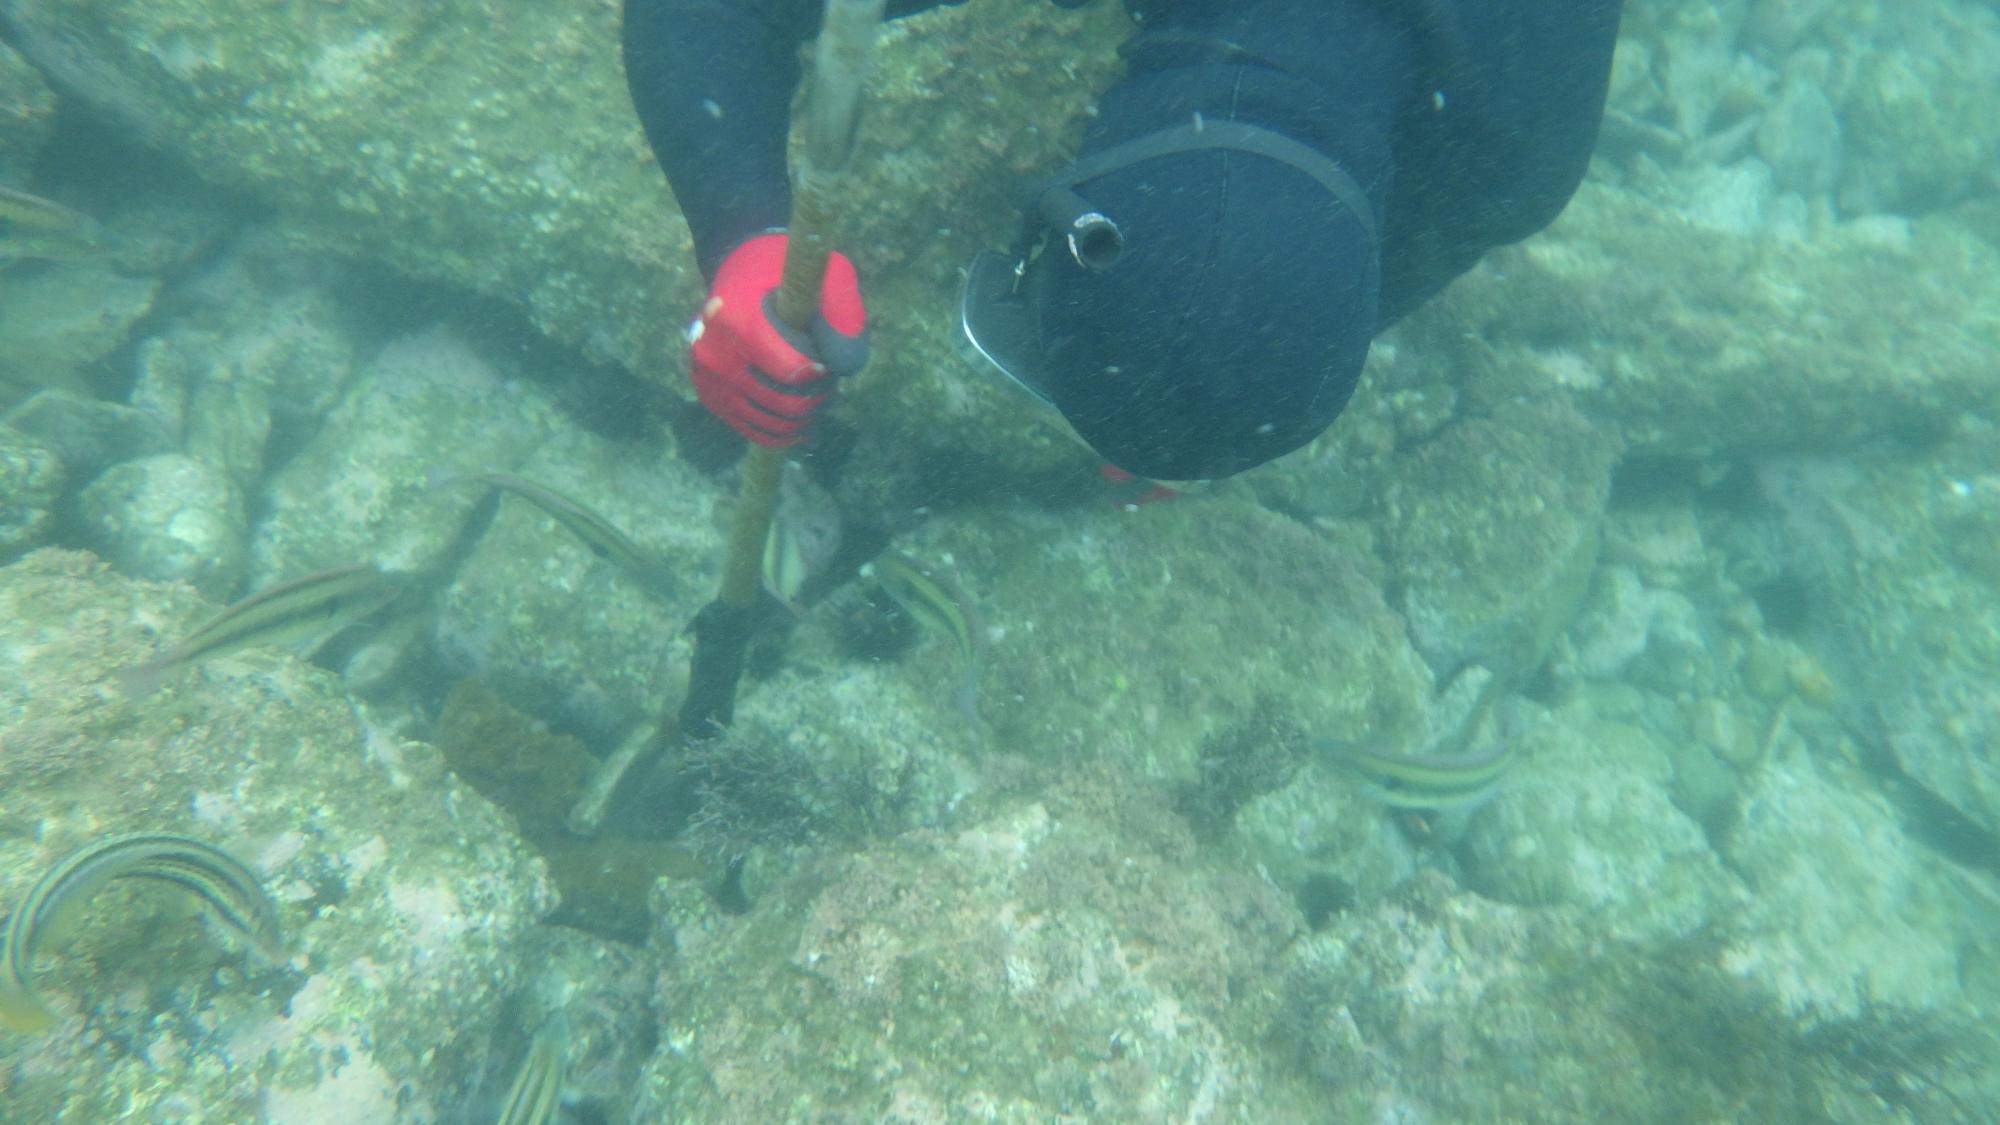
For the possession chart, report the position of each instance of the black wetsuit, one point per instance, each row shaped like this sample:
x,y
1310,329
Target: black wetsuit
x,y
1522,84
1467,124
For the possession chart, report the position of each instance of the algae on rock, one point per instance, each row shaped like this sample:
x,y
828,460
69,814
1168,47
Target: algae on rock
x,y
1493,530
1074,955
509,161
404,895
30,119
31,482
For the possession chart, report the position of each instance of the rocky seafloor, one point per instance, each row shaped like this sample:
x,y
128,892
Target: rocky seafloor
x,y
1698,492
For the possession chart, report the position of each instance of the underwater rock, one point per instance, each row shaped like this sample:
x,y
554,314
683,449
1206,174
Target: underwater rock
x,y
510,163
1634,91
31,481
1658,536
404,896
357,491
844,750
1444,1006
1919,123
1492,530
89,434
263,315
228,426
62,318
1650,637
600,992
516,761
1583,819
254,358
1324,841
1847,912
1776,26
1738,199
1723,343
1131,637
169,518
30,117
1895,554
1076,955
541,619
1681,654
1800,134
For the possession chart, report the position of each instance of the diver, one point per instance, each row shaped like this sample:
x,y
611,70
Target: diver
x,y
1269,185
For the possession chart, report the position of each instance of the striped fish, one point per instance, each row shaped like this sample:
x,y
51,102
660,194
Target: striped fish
x,y
33,227
537,1088
316,605
1424,781
225,888
594,531
803,538
933,603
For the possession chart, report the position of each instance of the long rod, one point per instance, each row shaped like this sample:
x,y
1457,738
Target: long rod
x,y
840,69
722,628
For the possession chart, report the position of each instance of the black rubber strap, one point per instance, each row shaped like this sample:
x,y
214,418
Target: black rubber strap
x,y
1169,48
1199,136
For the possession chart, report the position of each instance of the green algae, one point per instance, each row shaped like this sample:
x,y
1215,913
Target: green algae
x,y
1239,763
513,760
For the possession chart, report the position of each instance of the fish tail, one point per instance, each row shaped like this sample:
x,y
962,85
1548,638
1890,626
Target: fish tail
x,y
968,696
437,476
142,680
23,1011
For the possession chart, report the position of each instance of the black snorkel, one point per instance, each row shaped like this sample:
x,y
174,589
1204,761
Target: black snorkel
x,y
996,310
1092,237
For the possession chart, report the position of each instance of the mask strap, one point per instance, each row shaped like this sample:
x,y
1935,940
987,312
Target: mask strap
x,y
1053,206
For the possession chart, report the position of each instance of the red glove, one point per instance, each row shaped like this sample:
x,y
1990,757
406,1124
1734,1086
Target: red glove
x,y
758,375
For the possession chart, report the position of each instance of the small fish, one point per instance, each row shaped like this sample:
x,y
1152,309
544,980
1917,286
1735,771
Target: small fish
x,y
537,1088
934,604
594,531
804,536
1424,781
784,571
226,888
316,605
33,227
311,607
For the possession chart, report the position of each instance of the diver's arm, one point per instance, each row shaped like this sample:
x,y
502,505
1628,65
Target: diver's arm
x,y
712,81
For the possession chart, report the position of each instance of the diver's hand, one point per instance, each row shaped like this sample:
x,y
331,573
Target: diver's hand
x,y
758,375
